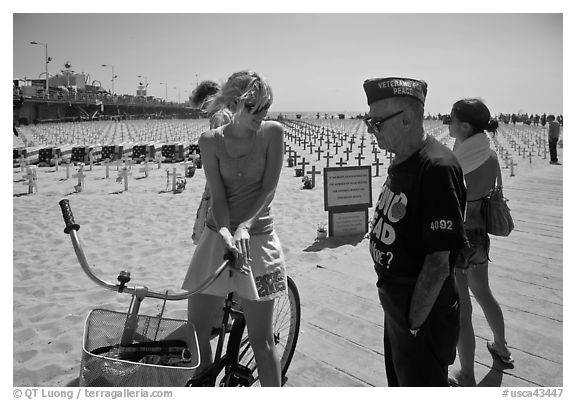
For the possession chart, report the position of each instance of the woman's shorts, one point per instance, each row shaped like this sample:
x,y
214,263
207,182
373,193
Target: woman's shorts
x,y
266,281
478,251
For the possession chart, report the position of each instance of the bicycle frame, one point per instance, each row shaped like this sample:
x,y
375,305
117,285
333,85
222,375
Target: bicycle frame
x,y
235,373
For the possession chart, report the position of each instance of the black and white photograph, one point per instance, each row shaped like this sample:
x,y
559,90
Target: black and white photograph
x,y
297,198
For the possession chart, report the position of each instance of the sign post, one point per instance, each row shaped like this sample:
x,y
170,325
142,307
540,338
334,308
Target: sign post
x,y
347,197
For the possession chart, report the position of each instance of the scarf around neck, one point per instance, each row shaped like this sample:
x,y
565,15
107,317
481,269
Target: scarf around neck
x,y
472,152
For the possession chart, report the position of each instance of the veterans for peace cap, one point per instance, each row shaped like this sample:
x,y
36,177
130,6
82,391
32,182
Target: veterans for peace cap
x,y
383,88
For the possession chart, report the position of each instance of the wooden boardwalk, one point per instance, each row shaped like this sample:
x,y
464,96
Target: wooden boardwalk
x,y
340,341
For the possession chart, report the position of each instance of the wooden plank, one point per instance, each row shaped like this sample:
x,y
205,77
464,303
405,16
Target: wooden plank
x,y
342,317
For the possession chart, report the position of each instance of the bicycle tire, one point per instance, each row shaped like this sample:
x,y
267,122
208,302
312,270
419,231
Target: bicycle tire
x,y
286,327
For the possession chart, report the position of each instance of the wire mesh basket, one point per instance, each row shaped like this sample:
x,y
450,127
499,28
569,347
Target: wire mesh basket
x,y
106,363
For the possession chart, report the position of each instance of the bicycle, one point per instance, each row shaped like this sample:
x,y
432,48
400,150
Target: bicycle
x,y
131,349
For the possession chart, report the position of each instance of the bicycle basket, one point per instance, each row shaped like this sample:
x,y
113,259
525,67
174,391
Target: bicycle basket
x,y
151,361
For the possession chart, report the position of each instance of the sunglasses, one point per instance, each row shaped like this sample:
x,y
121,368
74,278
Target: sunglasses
x,y
251,107
374,124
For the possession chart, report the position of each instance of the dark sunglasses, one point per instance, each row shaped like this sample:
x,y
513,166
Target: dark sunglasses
x,y
252,108
374,124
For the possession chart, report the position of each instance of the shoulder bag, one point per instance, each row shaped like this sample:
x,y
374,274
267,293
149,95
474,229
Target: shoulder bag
x,y
499,221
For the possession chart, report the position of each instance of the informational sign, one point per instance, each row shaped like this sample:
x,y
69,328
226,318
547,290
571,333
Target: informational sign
x,y
348,223
347,188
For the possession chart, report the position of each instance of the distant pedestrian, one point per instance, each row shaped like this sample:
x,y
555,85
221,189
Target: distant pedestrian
x,y
553,136
418,226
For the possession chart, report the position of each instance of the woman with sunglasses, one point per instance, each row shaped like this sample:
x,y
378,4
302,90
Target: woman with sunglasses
x,y
469,120
242,161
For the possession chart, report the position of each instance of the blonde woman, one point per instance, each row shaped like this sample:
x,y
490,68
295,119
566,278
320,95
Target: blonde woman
x,y
242,161
469,120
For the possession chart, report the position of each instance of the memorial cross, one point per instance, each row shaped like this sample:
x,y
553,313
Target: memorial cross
x,y
341,162
512,164
91,158
304,163
328,157
107,165
360,157
175,177
80,175
23,162
348,151
313,172
145,169
68,161
336,147
377,164
31,178
123,175
295,157
158,157
56,159
318,151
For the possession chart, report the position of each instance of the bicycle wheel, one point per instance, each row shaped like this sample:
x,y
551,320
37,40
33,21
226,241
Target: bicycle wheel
x,y
286,326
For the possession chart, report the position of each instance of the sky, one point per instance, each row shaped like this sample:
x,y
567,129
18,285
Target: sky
x,y
314,62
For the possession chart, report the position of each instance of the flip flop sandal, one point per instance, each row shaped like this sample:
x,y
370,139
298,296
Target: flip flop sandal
x,y
453,382
506,360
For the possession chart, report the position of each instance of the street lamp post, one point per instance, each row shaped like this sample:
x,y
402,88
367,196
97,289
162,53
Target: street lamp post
x,y
113,76
46,60
178,93
166,92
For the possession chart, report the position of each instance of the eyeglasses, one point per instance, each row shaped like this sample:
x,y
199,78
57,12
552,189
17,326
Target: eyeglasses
x,y
374,124
252,108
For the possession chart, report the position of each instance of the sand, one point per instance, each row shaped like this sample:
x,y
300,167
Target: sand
x,y
146,230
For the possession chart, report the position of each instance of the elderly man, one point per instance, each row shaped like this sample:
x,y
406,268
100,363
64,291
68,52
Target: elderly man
x,y
417,227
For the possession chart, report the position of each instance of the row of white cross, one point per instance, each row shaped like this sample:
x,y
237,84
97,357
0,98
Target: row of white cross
x,y
124,169
108,132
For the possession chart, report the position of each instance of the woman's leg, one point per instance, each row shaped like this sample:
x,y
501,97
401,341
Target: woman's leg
x,y
258,315
479,284
466,339
202,312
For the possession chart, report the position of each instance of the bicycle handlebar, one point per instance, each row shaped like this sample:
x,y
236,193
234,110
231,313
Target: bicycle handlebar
x,y
72,227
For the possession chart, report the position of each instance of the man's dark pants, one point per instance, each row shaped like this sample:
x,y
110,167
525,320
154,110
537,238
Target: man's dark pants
x,y
422,360
552,144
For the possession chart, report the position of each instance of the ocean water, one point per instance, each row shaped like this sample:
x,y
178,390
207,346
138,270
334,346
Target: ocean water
x,y
315,114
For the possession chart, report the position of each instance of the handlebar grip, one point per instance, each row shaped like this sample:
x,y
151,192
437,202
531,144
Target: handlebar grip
x,y
68,217
229,256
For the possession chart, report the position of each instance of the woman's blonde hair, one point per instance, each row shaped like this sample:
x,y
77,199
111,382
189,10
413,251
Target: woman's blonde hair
x,y
242,87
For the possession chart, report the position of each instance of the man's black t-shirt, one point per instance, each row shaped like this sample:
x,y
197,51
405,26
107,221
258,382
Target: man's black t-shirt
x,y
420,211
